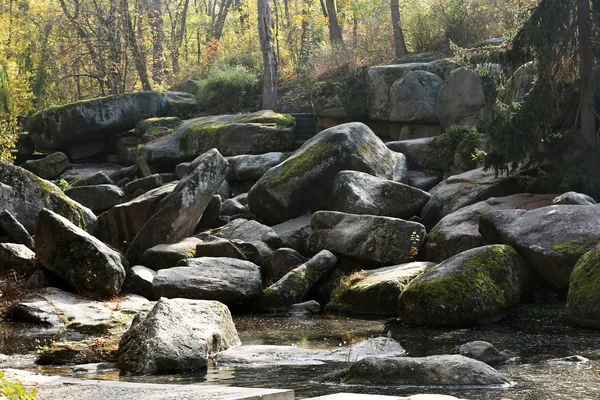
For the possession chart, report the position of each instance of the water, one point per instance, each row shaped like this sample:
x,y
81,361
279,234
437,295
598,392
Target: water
x,y
535,342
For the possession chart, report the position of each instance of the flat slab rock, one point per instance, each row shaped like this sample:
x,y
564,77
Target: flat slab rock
x,y
356,396
261,355
52,387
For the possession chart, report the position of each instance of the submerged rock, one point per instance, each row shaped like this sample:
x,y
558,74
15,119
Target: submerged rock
x,y
74,255
303,182
477,286
177,335
485,352
445,370
24,195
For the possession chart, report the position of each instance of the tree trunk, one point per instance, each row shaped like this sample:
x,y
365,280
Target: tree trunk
x,y
159,68
335,32
268,51
220,22
179,37
139,57
586,73
399,43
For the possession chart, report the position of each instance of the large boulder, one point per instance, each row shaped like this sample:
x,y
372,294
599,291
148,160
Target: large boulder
x,y
416,151
249,231
14,230
296,284
97,198
256,133
574,198
164,256
294,232
583,299
463,190
304,181
485,352
381,78
177,335
445,370
367,238
477,286
86,121
413,98
121,224
252,167
83,261
49,167
343,100
359,193
374,292
180,211
24,195
459,231
551,238
462,100
228,280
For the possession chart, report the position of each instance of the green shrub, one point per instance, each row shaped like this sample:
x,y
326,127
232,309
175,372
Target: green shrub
x,y
559,180
15,390
250,61
229,89
461,140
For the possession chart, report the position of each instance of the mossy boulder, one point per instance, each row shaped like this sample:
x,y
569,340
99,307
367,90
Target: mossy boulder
x,y
167,122
24,195
360,193
374,292
551,238
477,286
49,167
255,133
346,99
379,81
459,231
583,299
182,105
304,181
91,120
228,280
413,98
83,261
177,335
370,239
295,285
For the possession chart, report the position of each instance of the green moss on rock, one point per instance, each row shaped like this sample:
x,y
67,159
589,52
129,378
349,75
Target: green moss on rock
x,y
583,300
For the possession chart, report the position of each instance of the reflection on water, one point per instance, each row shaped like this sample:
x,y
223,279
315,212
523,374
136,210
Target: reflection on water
x,y
533,378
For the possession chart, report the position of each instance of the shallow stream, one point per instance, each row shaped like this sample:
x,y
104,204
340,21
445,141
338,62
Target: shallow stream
x,y
533,376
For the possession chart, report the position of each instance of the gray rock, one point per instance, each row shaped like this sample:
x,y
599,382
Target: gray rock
x,y
477,286
304,181
484,352
422,180
212,246
462,100
127,172
180,211
98,198
295,232
228,280
261,355
137,187
463,190
568,360
374,292
92,120
120,225
24,195
25,146
74,255
49,167
82,324
99,178
210,214
86,170
139,281
518,85
280,263
583,297
16,258
167,122
232,207
415,150
79,151
368,238
249,231
14,230
345,99
249,167
574,198
413,98
177,335
256,133
459,231
381,78
551,238
445,370
182,105
296,284
142,167
181,169
360,193
163,256
306,308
